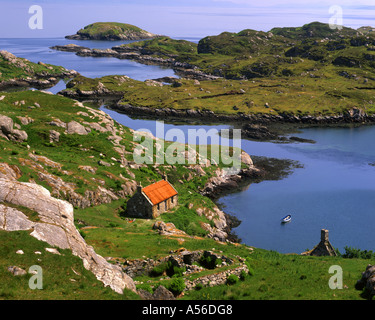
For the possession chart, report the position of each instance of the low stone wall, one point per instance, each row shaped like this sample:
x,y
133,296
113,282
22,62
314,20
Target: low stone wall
x,y
215,279
184,259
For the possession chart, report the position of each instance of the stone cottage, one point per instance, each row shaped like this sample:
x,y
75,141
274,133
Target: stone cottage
x,y
151,201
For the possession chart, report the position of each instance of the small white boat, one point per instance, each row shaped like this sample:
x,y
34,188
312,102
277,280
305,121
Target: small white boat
x,y
286,219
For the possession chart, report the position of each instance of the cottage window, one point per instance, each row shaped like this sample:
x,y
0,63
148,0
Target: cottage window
x,y
158,206
172,199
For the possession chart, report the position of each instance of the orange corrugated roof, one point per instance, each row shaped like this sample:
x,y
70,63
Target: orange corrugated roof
x,y
159,191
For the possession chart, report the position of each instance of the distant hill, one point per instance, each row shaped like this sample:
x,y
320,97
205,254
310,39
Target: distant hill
x,y
111,31
315,30
367,30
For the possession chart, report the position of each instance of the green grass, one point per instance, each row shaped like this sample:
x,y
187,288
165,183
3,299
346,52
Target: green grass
x,y
187,220
329,94
164,46
274,276
289,277
64,277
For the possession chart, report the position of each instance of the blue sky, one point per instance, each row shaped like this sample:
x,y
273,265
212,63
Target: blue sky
x,y
178,18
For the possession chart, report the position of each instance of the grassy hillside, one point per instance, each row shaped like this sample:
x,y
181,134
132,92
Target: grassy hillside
x,y
15,71
315,30
163,46
280,52
73,152
86,170
64,277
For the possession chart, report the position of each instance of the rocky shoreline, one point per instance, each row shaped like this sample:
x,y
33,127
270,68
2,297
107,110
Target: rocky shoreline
x,y
258,169
28,74
354,115
185,69
39,81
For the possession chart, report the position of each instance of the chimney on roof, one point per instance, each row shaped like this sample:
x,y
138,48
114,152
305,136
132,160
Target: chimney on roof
x,y
164,177
139,188
324,235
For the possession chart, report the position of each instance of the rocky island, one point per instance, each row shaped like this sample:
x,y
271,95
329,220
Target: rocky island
x,y
111,31
310,74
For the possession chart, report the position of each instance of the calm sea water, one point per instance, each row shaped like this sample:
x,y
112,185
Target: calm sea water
x,y
39,50
335,189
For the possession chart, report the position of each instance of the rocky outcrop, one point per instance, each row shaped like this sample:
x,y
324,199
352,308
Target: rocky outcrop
x,y
8,171
56,227
70,48
222,182
16,271
42,79
67,190
13,220
160,293
367,281
166,229
8,132
75,127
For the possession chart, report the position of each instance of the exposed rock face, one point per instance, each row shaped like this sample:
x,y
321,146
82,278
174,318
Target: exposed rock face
x,y
167,229
76,127
13,220
161,293
8,132
54,136
26,120
56,227
223,182
9,171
